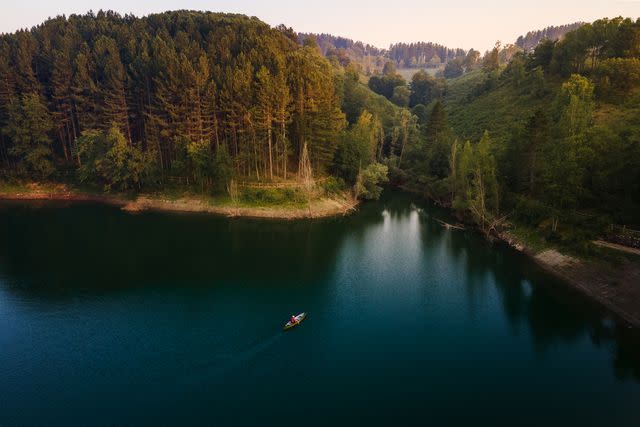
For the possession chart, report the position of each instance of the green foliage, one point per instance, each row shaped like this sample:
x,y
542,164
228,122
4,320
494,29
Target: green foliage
x,y
471,60
515,70
425,88
491,60
356,97
454,68
525,152
462,174
358,147
272,196
616,77
574,106
474,182
200,160
531,211
334,186
438,138
422,54
557,153
109,159
223,168
367,186
582,50
179,86
401,96
386,84
27,127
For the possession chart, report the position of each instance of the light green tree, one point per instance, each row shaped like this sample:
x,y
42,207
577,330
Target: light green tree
x,y
367,186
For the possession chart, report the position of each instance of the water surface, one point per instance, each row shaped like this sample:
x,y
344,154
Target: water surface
x,y
113,318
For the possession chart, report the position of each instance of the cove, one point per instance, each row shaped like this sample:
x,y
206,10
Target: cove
x,y
113,318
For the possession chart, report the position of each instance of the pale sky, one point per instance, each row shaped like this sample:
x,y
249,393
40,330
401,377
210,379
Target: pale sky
x,y
458,23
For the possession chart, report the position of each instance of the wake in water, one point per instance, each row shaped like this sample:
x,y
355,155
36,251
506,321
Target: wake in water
x,y
224,363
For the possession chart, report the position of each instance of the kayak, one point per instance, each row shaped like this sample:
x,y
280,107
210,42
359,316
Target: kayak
x,y
299,318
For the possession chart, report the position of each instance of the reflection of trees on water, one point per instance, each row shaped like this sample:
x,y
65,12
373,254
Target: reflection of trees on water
x,y
98,249
92,249
552,312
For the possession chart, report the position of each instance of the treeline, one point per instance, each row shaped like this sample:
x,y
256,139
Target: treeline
x,y
422,54
530,40
328,42
423,87
588,48
198,98
344,51
372,60
189,94
570,167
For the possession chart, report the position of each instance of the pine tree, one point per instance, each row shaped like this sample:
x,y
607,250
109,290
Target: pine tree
x,y
112,85
28,126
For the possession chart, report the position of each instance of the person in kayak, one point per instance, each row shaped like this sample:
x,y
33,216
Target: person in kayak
x,y
293,319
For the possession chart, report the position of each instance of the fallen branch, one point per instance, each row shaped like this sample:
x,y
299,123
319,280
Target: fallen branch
x,y
449,226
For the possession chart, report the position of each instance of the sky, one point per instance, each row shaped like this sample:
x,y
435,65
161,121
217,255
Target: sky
x,y
459,23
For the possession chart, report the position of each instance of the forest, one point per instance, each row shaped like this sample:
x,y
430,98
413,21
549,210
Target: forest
x,y
549,139
530,40
545,136
130,102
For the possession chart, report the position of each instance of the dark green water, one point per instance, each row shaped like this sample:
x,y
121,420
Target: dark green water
x,y
110,318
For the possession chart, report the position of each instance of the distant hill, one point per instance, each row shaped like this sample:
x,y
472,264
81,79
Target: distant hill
x,y
529,41
357,49
422,54
372,58
344,50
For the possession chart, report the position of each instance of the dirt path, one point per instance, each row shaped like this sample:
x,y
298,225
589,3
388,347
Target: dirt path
x,y
617,247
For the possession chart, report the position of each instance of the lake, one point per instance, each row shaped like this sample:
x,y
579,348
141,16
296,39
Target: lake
x,y
109,318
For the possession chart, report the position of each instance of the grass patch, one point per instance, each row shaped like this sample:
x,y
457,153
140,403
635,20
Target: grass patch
x,y
11,187
270,196
530,238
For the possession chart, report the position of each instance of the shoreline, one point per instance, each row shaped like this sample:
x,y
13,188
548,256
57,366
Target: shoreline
x,y
320,207
616,288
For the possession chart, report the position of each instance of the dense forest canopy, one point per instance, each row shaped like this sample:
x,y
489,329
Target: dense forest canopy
x,y
372,59
175,93
562,151
422,54
129,102
345,51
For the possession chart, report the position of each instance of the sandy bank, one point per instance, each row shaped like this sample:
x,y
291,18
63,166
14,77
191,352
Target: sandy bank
x,y
317,208
616,287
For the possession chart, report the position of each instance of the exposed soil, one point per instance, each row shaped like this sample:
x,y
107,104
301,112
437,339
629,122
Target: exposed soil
x,y
615,286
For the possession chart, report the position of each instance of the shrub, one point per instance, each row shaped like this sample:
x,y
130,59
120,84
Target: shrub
x,y
367,185
531,211
334,185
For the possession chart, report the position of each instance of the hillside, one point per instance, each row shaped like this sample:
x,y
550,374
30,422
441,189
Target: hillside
x,y
499,110
194,98
407,57
554,140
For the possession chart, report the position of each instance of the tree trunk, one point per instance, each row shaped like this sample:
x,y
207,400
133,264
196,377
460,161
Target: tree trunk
x,y
270,152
